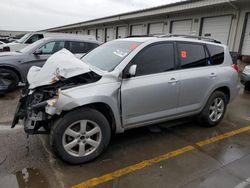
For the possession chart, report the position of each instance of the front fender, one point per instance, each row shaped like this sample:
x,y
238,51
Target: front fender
x,y
107,93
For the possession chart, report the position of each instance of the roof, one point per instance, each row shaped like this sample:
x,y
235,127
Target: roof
x,y
78,38
171,38
163,9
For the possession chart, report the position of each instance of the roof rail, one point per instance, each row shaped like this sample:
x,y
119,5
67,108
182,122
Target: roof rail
x,y
190,36
177,35
133,36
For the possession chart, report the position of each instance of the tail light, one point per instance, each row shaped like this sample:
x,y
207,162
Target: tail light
x,y
235,67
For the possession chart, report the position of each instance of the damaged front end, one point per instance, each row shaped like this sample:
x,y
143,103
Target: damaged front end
x,y
31,108
60,72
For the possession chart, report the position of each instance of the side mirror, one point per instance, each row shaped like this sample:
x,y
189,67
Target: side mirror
x,y
38,52
131,72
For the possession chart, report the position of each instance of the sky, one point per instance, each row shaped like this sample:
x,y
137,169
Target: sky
x,y
32,15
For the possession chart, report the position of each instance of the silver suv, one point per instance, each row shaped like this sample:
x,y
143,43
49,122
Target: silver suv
x,y
124,84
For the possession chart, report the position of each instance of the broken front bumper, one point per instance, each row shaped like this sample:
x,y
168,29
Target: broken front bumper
x,y
33,117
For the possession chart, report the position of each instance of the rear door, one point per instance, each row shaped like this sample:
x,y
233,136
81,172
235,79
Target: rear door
x,y
153,92
197,76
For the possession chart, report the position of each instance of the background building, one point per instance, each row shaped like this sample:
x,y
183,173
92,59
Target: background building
x,y
225,20
6,33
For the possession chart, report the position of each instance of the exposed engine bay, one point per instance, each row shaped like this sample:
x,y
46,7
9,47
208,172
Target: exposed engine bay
x,y
60,72
31,107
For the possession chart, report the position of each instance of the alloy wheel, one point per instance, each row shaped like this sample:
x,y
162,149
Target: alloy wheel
x,y
216,109
82,138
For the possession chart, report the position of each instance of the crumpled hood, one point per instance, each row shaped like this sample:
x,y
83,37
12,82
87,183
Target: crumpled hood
x,y
61,64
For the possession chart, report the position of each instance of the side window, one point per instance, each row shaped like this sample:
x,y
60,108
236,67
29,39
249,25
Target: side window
x,y
34,38
192,55
216,53
77,47
155,59
58,46
91,46
52,47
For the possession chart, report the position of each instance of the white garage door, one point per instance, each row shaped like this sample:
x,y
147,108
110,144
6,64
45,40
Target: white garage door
x,y
136,30
121,32
182,27
109,34
100,35
246,41
92,32
217,28
156,28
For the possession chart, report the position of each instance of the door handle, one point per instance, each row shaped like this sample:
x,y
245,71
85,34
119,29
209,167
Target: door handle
x,y
212,75
172,81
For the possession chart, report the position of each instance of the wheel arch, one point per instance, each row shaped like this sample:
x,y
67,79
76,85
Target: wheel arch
x,y
225,90
107,111
110,114
222,88
15,70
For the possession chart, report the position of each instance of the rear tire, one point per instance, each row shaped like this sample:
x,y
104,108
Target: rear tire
x,y
9,79
80,136
214,111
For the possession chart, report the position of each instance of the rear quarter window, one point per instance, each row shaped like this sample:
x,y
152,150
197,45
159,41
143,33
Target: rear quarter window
x,y
216,53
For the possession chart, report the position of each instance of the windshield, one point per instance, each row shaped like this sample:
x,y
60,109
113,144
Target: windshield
x,y
32,46
23,39
107,56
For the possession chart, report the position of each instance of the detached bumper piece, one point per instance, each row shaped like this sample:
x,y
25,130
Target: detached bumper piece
x,y
34,123
34,118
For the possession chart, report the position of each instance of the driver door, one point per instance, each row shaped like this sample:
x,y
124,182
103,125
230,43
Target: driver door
x,y
153,93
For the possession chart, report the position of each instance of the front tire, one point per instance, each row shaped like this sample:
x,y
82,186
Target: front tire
x,y
214,110
80,136
8,80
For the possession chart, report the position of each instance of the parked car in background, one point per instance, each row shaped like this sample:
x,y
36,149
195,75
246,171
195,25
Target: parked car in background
x,y
32,37
14,66
4,40
124,84
245,77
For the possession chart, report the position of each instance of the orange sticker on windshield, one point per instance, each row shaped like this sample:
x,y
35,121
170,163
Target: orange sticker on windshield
x,y
183,54
133,46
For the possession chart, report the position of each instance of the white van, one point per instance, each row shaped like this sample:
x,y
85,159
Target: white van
x,y
29,38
